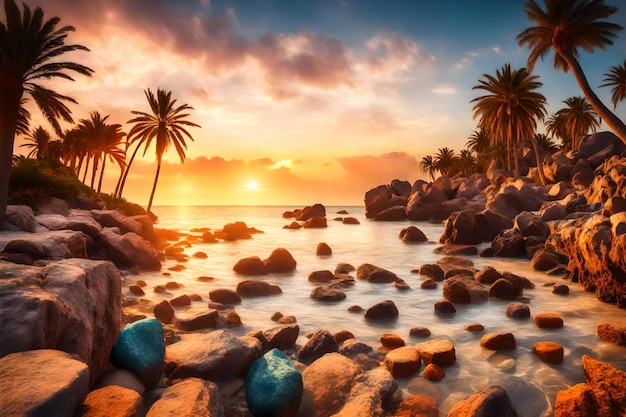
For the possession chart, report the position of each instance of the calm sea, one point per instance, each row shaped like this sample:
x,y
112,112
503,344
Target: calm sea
x,y
531,383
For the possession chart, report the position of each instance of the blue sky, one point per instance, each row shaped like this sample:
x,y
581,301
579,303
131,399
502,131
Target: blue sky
x,y
299,95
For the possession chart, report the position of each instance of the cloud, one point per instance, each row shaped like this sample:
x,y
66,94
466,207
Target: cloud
x,y
380,169
444,89
471,56
388,53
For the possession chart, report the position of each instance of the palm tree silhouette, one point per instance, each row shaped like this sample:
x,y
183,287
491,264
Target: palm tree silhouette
x,y
577,119
165,124
616,78
445,160
565,26
427,165
38,140
29,51
510,109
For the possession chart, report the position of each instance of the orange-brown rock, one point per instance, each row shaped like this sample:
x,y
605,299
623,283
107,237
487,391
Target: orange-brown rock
x,y
391,341
612,332
441,352
403,361
417,406
548,321
495,341
323,249
490,401
549,352
474,327
433,372
113,400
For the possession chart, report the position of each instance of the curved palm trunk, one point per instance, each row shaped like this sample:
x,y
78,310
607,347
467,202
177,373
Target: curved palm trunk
x,y
104,162
156,179
542,175
618,127
11,91
94,170
119,192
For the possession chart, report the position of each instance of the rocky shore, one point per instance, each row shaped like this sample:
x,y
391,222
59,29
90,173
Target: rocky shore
x,y
70,347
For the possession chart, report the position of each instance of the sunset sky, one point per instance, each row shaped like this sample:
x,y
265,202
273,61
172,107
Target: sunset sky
x,y
301,101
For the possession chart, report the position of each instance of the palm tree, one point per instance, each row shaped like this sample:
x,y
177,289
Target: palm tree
x,y
616,78
29,51
481,145
427,165
511,108
546,143
565,26
38,139
445,160
165,124
578,118
466,162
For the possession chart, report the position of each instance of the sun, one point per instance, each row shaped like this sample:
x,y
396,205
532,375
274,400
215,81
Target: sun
x,y
252,185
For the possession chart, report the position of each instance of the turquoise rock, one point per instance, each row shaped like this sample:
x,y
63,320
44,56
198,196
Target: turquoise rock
x,y
274,386
140,348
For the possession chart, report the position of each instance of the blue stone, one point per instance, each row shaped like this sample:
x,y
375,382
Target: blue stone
x,y
140,348
274,386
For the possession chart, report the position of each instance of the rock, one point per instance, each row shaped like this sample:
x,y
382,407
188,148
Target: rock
x,y
439,351
385,310
112,401
316,210
164,312
518,311
391,341
217,355
508,243
412,234
322,398
320,343
281,337
553,211
464,290
433,271
419,332
429,284
42,383
548,321
444,307
130,250
461,228
560,289
488,402
505,289
280,261
191,397
403,362
417,406
113,218
602,395
180,301
72,305
549,352
612,332
140,348
252,265
376,200
224,296
544,260
391,214
327,294
352,348
323,276
351,220
315,222
274,386
474,327
491,223
496,341
374,274
529,224
256,288
488,275
20,217
122,378
55,244
323,249
433,373
203,320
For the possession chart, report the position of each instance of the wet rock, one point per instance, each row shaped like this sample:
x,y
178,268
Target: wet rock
x,y
474,327
612,332
490,224
548,321
204,320
560,289
461,228
433,372
224,296
529,224
488,275
140,348
320,343
374,274
433,271
327,294
129,250
518,311
215,356
351,220
391,341
403,362
274,386
444,307
429,284
498,341
544,260
464,290
164,312
417,406
252,265
323,249
316,210
385,310
352,348
343,335
323,276
189,398
112,401
490,401
315,222
505,289
439,351
412,234
42,382
549,352
391,214
181,301
280,261
256,288
508,243
419,332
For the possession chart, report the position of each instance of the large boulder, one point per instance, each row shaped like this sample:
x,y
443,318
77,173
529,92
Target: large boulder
x,y
488,402
508,243
19,217
490,223
73,305
130,250
461,228
113,218
256,288
42,383
320,343
385,310
316,210
53,244
112,400
190,397
274,386
280,261
463,289
215,356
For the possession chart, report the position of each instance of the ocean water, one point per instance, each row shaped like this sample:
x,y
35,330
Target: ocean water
x,y
531,384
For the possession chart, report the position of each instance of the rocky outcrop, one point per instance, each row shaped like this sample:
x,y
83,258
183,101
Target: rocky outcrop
x,y
491,401
73,305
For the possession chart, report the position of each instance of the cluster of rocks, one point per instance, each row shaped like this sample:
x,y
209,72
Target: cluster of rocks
x,y
314,217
